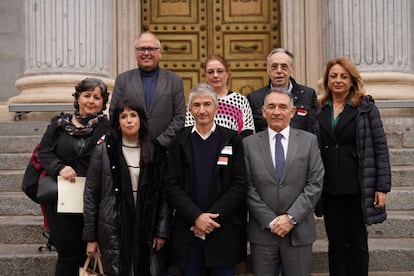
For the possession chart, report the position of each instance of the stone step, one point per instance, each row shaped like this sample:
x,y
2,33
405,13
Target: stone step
x,y
11,180
399,224
395,255
18,204
26,260
397,124
21,128
391,257
14,161
402,157
399,132
402,139
401,198
21,230
18,144
402,175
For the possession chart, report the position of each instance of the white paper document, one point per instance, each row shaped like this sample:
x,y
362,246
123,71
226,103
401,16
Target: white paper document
x,y
70,195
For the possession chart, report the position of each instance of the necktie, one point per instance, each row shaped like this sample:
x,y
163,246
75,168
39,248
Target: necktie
x,y
279,155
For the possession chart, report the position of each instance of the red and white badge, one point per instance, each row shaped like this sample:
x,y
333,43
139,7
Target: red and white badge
x,y
223,160
302,112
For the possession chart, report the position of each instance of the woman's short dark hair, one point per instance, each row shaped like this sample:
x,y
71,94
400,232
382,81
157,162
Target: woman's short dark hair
x,y
89,84
145,139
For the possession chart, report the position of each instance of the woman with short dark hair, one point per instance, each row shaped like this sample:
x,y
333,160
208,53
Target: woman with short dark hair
x,y
65,150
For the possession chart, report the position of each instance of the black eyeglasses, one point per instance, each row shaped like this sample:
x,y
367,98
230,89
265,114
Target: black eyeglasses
x,y
151,50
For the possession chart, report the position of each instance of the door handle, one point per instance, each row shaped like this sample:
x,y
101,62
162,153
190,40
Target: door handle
x,y
242,48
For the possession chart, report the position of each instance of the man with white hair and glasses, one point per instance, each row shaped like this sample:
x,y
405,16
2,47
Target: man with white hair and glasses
x,y
280,68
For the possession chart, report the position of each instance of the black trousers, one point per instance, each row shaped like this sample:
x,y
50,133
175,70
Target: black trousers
x,y
347,235
66,235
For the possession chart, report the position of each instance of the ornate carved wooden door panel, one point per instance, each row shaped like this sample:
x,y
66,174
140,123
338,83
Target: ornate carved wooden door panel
x,y
242,31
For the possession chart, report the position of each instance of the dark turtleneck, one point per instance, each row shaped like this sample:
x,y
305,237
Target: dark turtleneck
x,y
149,83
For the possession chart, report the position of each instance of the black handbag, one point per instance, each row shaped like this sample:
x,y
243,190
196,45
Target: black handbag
x,y
31,176
29,183
47,190
38,186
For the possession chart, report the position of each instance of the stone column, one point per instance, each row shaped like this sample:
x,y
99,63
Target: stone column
x,y
376,36
65,41
301,34
128,27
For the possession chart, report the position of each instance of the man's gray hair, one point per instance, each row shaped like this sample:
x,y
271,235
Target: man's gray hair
x,y
280,90
279,50
202,89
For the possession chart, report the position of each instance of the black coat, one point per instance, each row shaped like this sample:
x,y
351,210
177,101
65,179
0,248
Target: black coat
x,y
124,233
304,99
227,244
355,156
57,148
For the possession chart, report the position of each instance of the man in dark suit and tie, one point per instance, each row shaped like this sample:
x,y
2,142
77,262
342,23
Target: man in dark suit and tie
x,y
158,90
285,177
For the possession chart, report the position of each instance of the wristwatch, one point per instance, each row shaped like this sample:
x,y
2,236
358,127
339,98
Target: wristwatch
x,y
292,220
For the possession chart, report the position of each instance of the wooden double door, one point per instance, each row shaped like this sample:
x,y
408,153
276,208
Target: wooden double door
x,y
242,31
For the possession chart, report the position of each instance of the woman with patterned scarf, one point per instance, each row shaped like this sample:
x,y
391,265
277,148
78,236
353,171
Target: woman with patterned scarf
x,y
65,150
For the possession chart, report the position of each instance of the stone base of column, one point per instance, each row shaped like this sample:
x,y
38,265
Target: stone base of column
x,y
386,85
389,85
49,89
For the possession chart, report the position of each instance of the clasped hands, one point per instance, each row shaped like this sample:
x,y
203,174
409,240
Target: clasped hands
x,y
205,224
281,225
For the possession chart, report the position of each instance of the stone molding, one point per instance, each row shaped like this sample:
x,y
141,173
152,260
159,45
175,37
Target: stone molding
x,y
51,88
389,85
386,86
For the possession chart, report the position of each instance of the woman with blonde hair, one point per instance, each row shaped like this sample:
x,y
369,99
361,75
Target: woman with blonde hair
x,y
357,168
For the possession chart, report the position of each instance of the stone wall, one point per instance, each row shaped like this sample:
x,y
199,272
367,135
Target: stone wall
x,y
11,47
